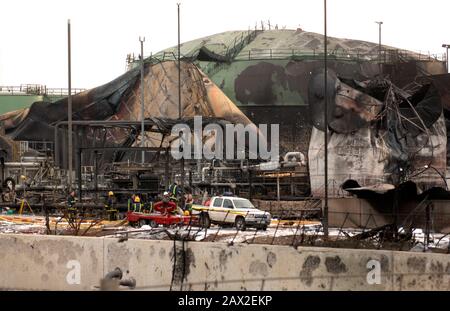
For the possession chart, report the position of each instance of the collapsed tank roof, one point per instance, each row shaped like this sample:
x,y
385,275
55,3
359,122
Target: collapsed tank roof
x,y
284,43
267,73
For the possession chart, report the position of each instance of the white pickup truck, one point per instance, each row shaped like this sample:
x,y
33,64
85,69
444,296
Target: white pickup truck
x,y
232,210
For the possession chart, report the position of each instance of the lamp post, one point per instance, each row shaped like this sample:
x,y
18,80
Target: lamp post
x,y
446,46
379,40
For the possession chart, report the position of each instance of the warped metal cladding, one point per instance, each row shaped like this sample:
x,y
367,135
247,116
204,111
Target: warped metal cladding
x,y
120,100
379,134
266,73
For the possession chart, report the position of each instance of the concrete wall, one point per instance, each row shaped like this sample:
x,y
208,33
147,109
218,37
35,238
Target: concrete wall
x,y
50,263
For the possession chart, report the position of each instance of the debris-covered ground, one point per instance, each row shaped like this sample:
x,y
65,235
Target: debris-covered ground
x,y
293,233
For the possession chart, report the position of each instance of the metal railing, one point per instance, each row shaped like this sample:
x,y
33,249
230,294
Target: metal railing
x,y
386,55
37,89
230,50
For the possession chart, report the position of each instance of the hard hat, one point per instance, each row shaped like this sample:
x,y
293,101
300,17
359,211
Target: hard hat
x,y
186,213
137,199
110,193
166,193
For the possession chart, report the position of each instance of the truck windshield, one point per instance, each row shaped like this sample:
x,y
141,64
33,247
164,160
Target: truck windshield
x,y
244,203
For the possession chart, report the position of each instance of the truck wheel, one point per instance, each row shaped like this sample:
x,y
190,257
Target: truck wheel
x,y
153,224
204,221
142,222
264,228
240,223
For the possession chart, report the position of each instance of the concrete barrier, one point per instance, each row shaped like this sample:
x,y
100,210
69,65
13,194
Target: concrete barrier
x,y
33,262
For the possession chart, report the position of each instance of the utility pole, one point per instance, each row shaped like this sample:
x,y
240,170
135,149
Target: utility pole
x,y
179,65
325,209
379,40
179,94
446,46
142,100
69,109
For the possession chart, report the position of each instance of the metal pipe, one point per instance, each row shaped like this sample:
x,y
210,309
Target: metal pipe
x,y
250,184
300,157
427,226
124,148
446,46
278,188
179,91
115,274
56,147
69,107
166,169
27,159
379,47
131,283
179,64
23,164
106,123
2,163
266,166
79,175
142,99
290,164
325,219
113,123
379,40
204,169
96,173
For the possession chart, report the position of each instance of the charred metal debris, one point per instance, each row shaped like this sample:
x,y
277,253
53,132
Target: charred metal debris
x,y
387,149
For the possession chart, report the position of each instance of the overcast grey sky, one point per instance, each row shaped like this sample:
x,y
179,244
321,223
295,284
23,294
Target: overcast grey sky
x,y
33,37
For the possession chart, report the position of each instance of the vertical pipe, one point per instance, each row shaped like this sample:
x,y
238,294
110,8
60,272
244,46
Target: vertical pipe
x,y
395,209
278,187
179,92
2,163
78,158
56,147
96,173
427,227
250,182
79,174
379,44
64,153
69,108
179,65
292,184
325,210
142,100
446,46
446,59
379,39
166,170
